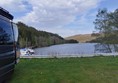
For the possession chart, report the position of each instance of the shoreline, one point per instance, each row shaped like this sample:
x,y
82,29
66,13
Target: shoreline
x,y
69,56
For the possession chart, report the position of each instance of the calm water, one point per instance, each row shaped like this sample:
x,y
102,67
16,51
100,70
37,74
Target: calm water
x,y
82,49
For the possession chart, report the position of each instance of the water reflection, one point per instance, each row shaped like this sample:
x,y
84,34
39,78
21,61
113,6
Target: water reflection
x,y
106,48
4,36
82,49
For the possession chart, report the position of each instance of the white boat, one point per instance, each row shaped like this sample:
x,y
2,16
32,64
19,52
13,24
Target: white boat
x,y
26,51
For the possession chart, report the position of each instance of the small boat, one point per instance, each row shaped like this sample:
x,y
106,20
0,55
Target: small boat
x,y
26,51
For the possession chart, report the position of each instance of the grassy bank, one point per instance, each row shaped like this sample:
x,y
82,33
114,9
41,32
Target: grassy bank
x,y
67,70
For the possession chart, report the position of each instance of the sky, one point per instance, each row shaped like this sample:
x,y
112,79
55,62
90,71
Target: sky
x,y
63,17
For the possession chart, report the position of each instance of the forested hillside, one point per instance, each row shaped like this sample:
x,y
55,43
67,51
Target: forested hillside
x,y
30,37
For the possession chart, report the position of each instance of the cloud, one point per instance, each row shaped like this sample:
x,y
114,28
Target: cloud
x,y
52,15
14,5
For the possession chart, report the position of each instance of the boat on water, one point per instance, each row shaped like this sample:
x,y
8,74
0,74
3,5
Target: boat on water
x,y
26,51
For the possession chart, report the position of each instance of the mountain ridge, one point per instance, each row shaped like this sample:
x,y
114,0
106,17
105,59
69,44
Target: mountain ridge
x,y
82,38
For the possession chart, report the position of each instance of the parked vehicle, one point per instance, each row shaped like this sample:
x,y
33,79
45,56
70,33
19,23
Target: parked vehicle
x,y
26,51
9,52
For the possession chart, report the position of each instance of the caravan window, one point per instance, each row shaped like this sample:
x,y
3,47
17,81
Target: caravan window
x,y
15,30
6,34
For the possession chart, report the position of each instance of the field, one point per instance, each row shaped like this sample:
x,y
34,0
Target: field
x,y
67,70
82,38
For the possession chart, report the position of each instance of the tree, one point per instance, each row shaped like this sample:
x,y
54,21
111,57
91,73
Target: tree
x,y
107,25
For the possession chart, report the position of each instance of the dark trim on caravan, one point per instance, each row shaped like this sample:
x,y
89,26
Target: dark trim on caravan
x,y
5,13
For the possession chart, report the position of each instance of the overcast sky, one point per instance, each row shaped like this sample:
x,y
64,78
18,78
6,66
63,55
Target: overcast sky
x,y
63,17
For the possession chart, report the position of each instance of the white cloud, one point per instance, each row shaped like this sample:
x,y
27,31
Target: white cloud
x,y
52,15
14,5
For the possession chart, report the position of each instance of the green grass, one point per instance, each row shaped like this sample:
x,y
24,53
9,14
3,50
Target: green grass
x,y
67,70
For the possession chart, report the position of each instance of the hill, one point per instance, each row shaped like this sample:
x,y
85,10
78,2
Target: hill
x,y
82,37
31,37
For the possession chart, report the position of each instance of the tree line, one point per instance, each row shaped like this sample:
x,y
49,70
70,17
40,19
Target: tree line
x,y
31,37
